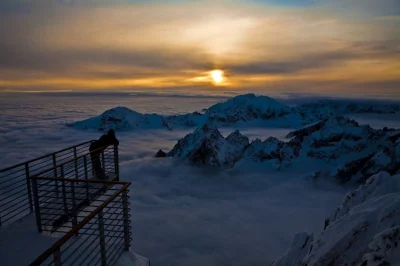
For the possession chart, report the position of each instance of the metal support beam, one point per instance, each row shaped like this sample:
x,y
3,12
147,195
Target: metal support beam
x,y
55,171
28,186
127,240
64,192
102,239
116,162
73,211
76,163
86,178
37,208
103,165
57,257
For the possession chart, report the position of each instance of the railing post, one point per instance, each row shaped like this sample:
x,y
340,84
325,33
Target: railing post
x,y
127,241
76,164
86,178
103,165
37,208
28,186
57,257
102,239
74,214
116,162
55,172
64,190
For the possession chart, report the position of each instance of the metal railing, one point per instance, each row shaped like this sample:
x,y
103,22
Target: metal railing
x,y
82,167
98,231
15,187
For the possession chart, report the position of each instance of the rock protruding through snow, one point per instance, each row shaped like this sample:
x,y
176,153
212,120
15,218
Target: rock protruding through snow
x,y
207,146
355,151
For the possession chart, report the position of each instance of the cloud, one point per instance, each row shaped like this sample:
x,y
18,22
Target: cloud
x,y
119,44
395,18
181,215
313,61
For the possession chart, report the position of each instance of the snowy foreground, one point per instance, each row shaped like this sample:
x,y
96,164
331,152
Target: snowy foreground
x,y
228,197
364,230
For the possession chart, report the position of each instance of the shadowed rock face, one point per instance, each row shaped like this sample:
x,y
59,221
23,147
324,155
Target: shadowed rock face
x,y
330,139
161,154
207,146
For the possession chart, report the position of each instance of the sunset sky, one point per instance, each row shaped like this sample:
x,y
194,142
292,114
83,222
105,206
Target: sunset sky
x,y
306,46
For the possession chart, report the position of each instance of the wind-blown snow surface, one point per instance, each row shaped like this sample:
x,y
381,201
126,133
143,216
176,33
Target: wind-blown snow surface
x,y
181,215
364,230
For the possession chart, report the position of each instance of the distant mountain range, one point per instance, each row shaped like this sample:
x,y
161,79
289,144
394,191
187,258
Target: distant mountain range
x,y
247,108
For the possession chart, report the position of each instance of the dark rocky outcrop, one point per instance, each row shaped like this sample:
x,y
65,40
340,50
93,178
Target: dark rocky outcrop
x,y
161,154
368,150
207,146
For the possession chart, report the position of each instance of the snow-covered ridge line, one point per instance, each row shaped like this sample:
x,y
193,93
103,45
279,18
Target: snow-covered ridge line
x,y
359,150
239,109
364,230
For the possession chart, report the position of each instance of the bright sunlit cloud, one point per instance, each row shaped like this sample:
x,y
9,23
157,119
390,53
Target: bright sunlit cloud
x,y
217,76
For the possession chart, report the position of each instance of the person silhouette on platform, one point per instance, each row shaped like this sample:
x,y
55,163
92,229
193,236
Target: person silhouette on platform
x,y
96,148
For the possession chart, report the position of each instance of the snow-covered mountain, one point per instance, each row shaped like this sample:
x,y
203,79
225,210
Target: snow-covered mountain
x,y
353,152
240,109
122,118
207,146
322,109
245,108
364,230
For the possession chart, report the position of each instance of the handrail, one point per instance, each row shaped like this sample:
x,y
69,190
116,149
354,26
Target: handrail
x,y
42,157
80,180
75,230
70,161
12,178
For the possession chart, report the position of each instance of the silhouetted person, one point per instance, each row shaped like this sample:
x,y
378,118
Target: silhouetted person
x,y
97,147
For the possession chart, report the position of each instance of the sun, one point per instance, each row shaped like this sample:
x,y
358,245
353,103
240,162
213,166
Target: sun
x,y
217,76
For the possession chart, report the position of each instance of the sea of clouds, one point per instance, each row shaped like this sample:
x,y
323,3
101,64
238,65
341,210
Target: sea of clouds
x,y
181,214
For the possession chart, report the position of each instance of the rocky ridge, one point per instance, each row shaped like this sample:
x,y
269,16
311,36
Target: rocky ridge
x,y
357,150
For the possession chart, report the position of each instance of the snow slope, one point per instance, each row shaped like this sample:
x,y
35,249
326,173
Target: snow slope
x,y
122,118
247,107
364,230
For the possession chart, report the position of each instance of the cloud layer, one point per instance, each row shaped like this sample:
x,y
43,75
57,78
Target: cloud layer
x,y
153,44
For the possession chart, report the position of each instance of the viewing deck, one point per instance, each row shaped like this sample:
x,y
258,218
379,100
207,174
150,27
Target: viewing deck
x,y
81,217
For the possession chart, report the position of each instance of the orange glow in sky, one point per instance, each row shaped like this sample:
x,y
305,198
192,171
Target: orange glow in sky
x,y
326,45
